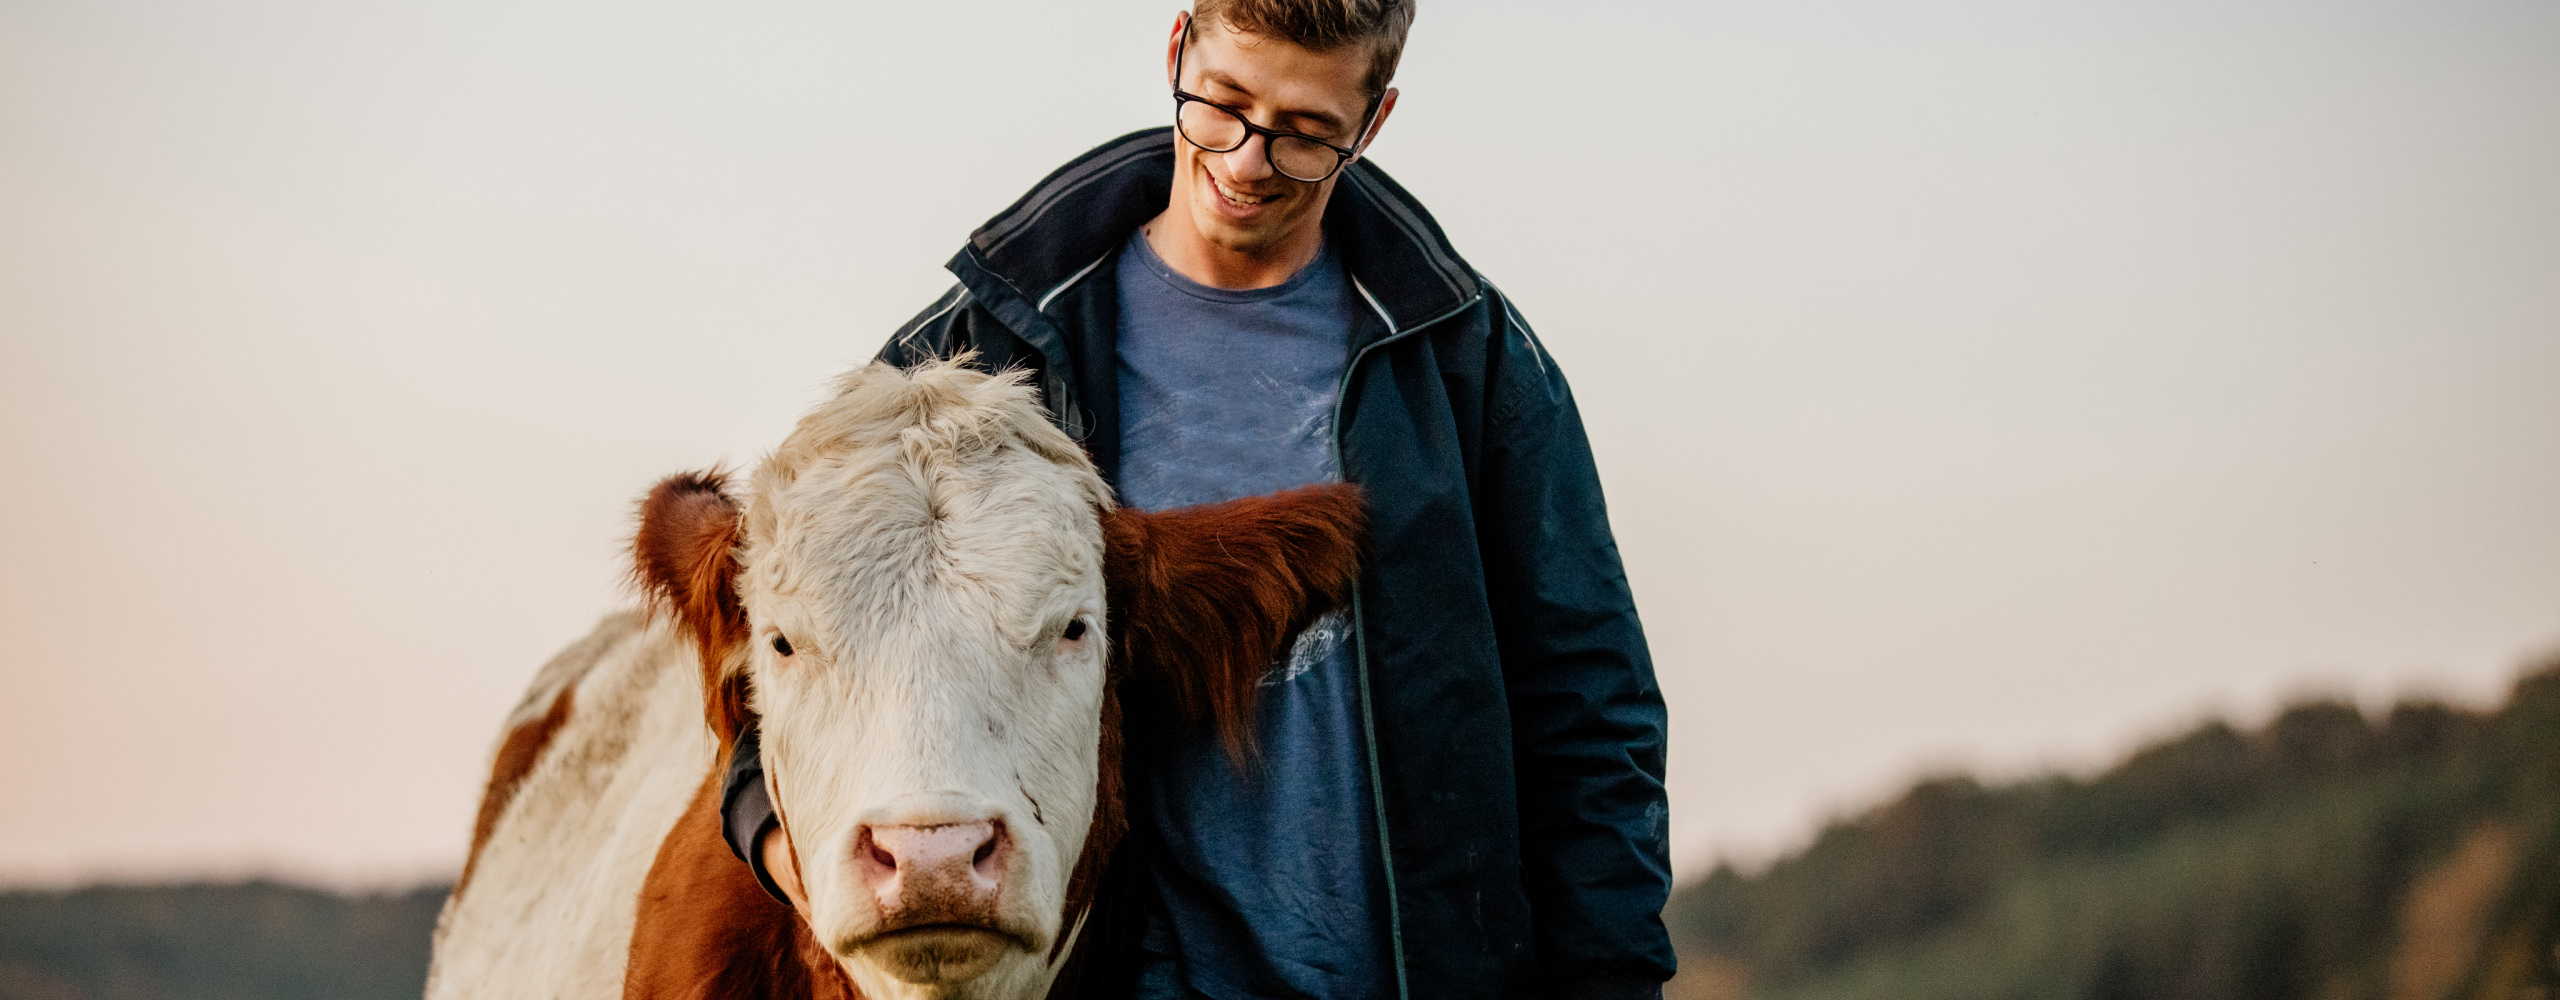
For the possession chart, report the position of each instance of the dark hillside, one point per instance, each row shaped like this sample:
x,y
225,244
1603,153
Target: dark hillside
x,y
2328,855
243,941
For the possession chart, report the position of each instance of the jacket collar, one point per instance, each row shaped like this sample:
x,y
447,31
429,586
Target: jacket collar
x,y
1055,234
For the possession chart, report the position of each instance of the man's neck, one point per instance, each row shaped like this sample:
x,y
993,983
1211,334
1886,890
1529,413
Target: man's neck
x,y
1192,256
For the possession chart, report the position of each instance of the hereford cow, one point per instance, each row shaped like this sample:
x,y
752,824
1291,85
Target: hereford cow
x,y
929,601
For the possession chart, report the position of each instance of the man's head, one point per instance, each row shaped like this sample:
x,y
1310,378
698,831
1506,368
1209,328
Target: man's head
x,y
1318,68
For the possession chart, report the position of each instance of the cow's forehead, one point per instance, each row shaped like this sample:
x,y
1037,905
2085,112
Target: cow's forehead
x,y
874,543
939,489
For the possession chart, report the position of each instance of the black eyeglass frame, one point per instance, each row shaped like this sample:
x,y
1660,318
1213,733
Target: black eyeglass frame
x,y
1342,155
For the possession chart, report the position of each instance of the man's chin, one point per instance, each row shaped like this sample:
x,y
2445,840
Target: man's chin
x,y
1239,236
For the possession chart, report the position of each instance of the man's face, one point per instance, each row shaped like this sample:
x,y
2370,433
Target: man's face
x,y
1234,199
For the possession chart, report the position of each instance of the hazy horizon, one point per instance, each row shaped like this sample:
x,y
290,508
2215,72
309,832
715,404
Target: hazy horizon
x,y
1979,385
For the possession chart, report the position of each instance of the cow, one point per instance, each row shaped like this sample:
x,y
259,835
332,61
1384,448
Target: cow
x,y
928,604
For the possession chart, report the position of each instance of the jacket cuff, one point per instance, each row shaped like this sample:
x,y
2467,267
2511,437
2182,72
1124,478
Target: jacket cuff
x,y
746,810
755,863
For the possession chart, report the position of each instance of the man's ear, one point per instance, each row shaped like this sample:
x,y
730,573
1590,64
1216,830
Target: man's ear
x,y
684,562
1386,105
1208,597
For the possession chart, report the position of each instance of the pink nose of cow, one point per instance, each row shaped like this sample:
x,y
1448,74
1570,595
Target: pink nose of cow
x,y
944,874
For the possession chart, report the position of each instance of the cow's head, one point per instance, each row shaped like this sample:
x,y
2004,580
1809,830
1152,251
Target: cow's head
x,y
928,597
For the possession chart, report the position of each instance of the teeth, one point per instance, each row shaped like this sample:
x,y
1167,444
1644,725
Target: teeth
x,y
1236,196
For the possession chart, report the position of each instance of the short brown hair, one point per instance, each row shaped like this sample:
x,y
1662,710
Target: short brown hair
x,y
1322,25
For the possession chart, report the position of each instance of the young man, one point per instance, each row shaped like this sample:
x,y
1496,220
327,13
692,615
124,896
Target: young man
x,y
1459,792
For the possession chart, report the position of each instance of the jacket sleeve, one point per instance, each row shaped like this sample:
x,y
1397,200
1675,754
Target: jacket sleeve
x,y
746,811
1588,722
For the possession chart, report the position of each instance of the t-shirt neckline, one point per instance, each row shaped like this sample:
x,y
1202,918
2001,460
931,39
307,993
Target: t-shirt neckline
x,y
1210,293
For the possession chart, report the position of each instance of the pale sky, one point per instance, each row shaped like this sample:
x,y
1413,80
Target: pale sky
x,y
1989,385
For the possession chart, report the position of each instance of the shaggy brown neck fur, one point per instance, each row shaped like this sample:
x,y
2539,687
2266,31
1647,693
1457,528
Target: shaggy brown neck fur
x,y
1206,597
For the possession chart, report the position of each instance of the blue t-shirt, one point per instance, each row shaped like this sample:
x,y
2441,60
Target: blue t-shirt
x,y
1269,885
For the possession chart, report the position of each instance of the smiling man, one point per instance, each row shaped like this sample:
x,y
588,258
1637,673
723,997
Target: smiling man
x,y
1457,788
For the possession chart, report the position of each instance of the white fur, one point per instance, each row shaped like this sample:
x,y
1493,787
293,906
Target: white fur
x,y
549,909
921,539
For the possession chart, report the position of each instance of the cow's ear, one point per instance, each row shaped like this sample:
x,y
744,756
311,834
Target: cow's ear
x,y
1208,597
684,561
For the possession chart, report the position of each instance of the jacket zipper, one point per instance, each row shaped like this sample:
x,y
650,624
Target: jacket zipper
x,y
1360,641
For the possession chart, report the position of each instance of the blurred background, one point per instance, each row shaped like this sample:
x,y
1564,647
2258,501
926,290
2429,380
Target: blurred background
x,y
2091,472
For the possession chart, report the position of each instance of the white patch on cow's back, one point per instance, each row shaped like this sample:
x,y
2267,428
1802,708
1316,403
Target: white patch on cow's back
x,y
549,910
571,665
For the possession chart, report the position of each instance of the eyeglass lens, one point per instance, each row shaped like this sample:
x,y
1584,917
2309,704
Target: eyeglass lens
x,y
1219,130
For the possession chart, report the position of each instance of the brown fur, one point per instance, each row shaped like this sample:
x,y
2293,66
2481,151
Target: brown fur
x,y
684,561
516,757
1203,598
707,931
1208,595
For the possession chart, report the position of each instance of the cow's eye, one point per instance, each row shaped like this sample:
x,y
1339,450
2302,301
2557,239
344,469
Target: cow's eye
x,y
1075,631
781,645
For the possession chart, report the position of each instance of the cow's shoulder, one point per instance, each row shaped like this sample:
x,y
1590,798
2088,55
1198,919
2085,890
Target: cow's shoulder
x,y
538,718
590,774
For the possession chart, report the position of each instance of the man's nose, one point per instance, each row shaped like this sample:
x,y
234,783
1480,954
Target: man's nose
x,y
1249,162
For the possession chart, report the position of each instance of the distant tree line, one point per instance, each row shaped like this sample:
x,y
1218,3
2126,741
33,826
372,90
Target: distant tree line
x,y
2329,855
237,941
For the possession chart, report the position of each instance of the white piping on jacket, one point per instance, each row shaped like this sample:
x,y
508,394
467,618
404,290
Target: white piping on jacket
x,y
1067,284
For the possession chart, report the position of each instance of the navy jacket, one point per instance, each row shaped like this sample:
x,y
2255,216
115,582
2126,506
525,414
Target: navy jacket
x,y
1516,730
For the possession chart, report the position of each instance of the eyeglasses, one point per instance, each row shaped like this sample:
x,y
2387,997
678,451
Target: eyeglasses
x,y
1216,128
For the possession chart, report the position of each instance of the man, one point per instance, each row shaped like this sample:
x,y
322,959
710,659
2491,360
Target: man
x,y
1459,786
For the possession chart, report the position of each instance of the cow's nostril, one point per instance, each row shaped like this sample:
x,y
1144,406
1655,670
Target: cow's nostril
x,y
881,856
987,862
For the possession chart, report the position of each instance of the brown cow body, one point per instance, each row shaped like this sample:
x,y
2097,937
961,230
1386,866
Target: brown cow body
x,y
598,866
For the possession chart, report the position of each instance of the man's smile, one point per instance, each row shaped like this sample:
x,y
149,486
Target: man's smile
x,y
1240,197
1239,203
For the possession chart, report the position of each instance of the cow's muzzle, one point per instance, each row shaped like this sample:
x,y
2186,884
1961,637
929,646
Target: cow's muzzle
x,y
936,888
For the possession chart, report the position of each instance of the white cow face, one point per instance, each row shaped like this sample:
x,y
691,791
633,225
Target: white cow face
x,y
926,655
912,600
922,582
